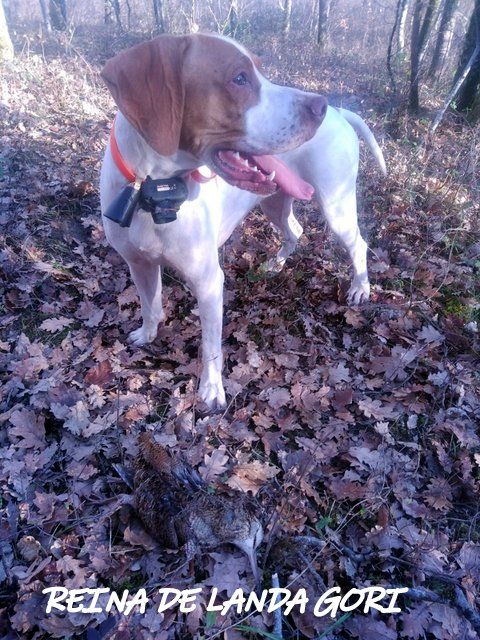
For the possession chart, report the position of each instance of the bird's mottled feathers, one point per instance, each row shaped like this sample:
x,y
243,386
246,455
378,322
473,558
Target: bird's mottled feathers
x,y
175,507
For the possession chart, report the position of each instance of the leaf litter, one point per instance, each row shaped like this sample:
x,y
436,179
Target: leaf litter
x,y
356,427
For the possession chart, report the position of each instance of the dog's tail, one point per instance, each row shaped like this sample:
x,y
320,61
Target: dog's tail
x,y
362,129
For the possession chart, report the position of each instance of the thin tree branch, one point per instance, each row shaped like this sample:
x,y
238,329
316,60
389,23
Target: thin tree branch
x,y
457,86
400,4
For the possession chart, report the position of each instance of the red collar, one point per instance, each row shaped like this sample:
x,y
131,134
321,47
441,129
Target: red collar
x,y
127,171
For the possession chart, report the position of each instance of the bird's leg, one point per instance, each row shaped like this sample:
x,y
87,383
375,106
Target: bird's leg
x,y
249,548
252,558
191,549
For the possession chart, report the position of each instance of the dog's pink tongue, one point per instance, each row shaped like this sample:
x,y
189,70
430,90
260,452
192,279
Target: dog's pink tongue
x,y
285,178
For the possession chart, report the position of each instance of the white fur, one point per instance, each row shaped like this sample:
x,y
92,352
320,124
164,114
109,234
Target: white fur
x,y
364,132
329,161
265,132
274,124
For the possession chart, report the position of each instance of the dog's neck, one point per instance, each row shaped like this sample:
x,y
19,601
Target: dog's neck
x,y
143,160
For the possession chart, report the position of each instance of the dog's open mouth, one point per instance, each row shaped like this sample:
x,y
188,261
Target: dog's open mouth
x,y
260,174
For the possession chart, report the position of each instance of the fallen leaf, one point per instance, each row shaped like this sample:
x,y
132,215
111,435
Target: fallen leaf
x,y
53,325
214,465
250,476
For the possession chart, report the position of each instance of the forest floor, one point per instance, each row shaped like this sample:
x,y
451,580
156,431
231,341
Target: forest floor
x,y
355,426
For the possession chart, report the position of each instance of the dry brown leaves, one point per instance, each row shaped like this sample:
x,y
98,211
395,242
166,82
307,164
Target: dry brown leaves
x,y
359,426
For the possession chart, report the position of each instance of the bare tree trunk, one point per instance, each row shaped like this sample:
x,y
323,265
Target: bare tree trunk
x,y
7,10
6,46
107,12
475,111
232,18
431,20
469,93
287,15
368,36
159,17
402,25
193,17
443,40
472,67
415,56
129,15
313,21
323,15
116,10
448,42
400,4
45,16
420,30
58,14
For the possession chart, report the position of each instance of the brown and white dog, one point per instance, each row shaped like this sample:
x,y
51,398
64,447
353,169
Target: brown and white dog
x,y
189,101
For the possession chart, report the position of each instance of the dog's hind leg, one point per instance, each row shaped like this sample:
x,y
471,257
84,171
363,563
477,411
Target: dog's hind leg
x,y
279,210
341,216
147,277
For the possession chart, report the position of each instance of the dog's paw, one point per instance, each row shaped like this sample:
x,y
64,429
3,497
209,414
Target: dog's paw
x,y
142,336
359,292
213,394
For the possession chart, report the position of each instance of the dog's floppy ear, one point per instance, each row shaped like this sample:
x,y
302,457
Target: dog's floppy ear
x,y
147,84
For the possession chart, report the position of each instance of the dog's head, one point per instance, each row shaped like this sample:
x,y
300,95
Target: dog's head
x,y
205,94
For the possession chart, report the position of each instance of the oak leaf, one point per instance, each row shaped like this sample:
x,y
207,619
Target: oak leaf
x,y
375,409
100,374
28,426
250,476
214,465
52,325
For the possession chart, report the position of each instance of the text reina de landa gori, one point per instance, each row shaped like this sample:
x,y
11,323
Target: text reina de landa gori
x,y
330,603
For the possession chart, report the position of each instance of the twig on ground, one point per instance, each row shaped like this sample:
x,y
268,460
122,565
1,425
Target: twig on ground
x,y
461,603
316,576
317,542
422,595
441,577
277,627
350,553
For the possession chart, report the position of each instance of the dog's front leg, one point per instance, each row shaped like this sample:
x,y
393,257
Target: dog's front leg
x,y
147,277
209,293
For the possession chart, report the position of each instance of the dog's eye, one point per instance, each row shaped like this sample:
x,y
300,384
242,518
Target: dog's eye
x,y
241,79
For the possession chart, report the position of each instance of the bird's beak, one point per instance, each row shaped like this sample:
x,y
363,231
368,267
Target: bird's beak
x,y
252,557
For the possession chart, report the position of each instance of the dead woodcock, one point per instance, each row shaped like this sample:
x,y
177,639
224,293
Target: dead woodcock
x,y
173,503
